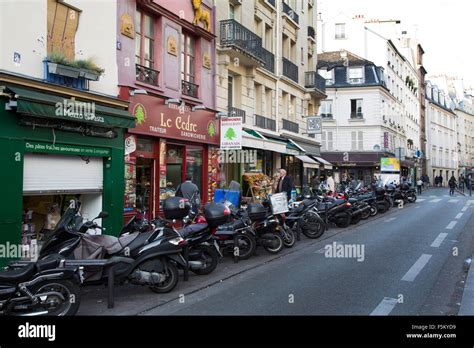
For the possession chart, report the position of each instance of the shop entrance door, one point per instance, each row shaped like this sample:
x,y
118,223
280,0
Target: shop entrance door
x,y
144,188
194,161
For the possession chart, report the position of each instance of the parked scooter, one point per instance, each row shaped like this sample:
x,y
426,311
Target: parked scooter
x,y
45,287
303,218
148,258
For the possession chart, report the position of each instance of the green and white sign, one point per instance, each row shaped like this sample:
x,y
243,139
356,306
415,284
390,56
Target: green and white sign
x,y
65,149
231,133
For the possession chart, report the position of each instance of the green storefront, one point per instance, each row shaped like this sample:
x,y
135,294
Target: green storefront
x,y
57,144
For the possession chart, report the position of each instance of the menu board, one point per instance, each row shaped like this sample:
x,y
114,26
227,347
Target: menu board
x,y
130,185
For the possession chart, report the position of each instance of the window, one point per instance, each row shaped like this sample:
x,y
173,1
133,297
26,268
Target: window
x,y
356,75
357,140
328,75
230,91
231,11
340,31
63,21
356,108
325,110
187,58
292,108
268,44
329,141
144,40
268,103
258,98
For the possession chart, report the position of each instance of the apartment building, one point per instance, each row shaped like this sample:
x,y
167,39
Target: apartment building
x,y
266,74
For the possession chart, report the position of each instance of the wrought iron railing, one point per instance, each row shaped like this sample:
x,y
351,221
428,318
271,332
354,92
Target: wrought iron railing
x,y
190,89
313,80
290,70
291,126
236,112
146,75
311,32
265,122
234,34
290,12
268,60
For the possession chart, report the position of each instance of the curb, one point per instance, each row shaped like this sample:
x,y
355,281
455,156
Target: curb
x,y
467,302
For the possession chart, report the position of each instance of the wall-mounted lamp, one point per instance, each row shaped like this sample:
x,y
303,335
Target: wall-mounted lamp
x,y
198,107
221,114
137,91
172,101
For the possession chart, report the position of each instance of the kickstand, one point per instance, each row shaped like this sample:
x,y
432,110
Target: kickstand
x,y
111,284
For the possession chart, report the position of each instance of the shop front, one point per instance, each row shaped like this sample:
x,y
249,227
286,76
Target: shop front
x,y
54,149
168,143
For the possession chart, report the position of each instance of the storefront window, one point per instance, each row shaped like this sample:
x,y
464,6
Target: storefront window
x,y
293,168
174,168
144,170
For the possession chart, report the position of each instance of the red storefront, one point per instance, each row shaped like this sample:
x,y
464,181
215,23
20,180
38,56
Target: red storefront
x,y
168,142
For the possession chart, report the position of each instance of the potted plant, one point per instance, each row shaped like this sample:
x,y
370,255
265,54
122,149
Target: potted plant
x,y
88,69
59,64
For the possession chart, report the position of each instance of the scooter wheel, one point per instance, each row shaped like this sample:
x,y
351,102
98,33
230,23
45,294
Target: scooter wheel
x,y
373,210
247,246
313,227
288,235
277,244
210,257
356,219
54,305
344,222
170,282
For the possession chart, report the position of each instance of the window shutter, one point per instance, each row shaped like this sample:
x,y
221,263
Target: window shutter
x,y
361,140
329,141
353,140
323,140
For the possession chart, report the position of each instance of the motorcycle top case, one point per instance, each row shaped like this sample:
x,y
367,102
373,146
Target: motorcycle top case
x,y
216,214
256,211
176,208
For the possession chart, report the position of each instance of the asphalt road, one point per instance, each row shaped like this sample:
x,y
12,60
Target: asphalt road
x,y
410,263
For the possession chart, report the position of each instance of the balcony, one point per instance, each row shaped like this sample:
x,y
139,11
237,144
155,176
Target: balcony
x,y
265,123
234,35
357,116
268,60
190,89
290,70
315,82
146,75
326,116
290,12
236,112
291,126
311,32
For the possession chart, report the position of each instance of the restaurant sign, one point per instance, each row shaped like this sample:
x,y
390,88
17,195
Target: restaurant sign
x,y
155,118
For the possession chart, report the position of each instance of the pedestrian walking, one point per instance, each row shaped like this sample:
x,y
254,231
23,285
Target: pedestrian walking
x,y
285,184
419,185
441,181
461,183
331,184
452,185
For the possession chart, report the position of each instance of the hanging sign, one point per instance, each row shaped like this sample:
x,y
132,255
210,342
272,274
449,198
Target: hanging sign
x,y
231,133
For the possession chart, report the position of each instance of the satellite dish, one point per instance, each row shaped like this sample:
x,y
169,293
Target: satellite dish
x,y
376,147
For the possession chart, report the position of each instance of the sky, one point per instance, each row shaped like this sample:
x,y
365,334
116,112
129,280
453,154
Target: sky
x,y
445,29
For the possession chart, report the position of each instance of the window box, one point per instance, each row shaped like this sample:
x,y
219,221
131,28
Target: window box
x,y
63,70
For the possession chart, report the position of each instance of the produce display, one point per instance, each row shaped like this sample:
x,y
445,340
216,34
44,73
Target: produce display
x,y
259,183
213,163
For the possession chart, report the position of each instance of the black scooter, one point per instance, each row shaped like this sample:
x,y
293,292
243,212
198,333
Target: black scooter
x,y
45,287
304,219
148,258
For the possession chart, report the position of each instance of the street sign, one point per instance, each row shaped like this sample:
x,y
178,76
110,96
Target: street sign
x,y
314,124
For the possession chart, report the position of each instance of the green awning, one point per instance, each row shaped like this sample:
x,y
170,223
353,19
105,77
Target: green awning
x,y
44,105
254,133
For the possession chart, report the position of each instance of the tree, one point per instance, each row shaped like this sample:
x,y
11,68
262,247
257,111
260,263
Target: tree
x,y
230,134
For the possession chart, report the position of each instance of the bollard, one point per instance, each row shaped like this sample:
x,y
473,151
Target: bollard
x,y
111,284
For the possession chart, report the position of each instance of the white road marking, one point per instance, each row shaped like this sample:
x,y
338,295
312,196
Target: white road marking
x,y
417,207
435,200
421,199
385,307
390,219
451,225
416,268
459,215
437,242
470,201
432,196
465,208
453,201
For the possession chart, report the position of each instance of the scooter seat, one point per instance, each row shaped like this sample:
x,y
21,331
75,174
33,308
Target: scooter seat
x,y
19,275
353,200
192,229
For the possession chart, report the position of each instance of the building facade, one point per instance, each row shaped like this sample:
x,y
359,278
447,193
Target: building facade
x,y
266,74
442,144
377,42
167,65
61,126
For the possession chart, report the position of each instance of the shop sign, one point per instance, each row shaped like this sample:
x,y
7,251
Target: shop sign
x,y
130,144
314,124
231,133
63,149
155,118
279,203
389,164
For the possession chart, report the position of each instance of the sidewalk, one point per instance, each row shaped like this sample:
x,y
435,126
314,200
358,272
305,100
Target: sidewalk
x,y
467,302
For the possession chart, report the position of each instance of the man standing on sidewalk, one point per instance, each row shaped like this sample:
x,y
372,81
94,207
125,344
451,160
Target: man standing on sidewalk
x,y
419,185
452,185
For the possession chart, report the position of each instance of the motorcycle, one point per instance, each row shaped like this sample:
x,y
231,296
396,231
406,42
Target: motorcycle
x,y
303,218
45,287
148,258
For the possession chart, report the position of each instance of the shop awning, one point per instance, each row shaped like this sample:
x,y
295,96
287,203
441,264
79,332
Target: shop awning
x,y
308,162
36,104
325,163
256,140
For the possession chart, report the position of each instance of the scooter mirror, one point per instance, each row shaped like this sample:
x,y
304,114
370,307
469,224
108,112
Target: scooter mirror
x,y
102,215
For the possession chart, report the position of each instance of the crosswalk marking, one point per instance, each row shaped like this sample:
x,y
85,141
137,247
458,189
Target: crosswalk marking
x,y
390,219
421,199
453,201
435,200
